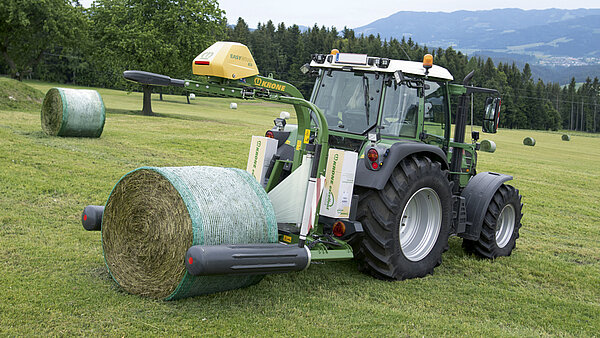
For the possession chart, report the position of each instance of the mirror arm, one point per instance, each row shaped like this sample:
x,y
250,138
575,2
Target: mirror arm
x,y
472,89
468,78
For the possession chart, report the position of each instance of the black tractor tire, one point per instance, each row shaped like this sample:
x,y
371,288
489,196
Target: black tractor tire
x,y
380,252
501,224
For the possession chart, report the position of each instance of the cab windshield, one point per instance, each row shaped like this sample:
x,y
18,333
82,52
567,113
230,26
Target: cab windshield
x,y
349,100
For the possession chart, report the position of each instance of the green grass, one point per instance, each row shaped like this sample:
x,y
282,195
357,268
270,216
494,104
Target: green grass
x,y
53,279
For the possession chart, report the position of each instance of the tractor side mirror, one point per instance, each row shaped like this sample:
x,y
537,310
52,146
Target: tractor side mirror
x,y
305,68
492,115
399,77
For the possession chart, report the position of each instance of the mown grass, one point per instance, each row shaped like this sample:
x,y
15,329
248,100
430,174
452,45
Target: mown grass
x,y
54,281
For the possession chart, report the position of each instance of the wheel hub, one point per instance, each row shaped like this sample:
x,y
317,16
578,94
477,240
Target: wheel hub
x,y
420,224
505,225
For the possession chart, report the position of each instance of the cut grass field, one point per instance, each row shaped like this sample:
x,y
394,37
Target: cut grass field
x,y
53,279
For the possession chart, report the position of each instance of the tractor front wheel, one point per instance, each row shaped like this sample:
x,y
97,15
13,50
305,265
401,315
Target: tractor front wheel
x,y
501,225
407,223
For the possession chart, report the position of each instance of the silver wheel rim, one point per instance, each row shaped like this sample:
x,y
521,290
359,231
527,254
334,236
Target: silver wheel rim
x,y
505,225
420,224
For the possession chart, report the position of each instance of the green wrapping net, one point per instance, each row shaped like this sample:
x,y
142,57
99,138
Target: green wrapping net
x,y
153,215
73,112
566,137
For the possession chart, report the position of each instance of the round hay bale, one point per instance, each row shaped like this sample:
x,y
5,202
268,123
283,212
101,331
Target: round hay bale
x,y
488,146
233,105
153,215
566,137
529,141
73,112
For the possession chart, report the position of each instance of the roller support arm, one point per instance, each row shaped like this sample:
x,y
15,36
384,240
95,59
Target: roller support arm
x,y
152,79
250,88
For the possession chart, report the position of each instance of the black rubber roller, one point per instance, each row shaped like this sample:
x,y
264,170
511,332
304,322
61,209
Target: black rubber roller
x,y
246,259
91,217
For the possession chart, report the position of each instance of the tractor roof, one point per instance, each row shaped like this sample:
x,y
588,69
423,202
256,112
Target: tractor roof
x,y
376,64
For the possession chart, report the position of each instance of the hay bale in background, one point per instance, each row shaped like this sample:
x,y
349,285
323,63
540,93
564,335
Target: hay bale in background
x,y
233,105
529,141
73,112
488,146
153,215
566,137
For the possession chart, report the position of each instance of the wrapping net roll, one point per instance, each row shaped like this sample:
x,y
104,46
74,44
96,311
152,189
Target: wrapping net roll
x,y
288,196
73,112
153,215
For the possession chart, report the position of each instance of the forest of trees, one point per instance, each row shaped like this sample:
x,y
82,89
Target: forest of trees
x,y
60,41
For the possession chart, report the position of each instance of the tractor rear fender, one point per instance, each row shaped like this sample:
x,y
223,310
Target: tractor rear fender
x,y
478,194
376,179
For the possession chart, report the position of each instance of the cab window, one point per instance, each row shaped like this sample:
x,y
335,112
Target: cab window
x,y
435,110
400,111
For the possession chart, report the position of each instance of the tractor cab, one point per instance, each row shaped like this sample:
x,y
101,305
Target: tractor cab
x,y
395,99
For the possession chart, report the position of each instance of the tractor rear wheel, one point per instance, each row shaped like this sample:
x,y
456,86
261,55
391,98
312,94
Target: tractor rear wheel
x,y
407,223
501,224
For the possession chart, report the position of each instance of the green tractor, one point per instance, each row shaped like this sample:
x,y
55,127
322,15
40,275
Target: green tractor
x,y
414,186
375,143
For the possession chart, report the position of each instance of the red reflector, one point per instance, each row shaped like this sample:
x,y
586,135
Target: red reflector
x,y
269,134
373,155
203,63
339,229
85,217
374,165
191,260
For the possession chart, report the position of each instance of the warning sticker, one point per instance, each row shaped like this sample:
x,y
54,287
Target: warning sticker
x,y
306,136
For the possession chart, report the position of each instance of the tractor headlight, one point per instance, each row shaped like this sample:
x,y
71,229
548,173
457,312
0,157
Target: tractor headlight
x,y
383,63
318,58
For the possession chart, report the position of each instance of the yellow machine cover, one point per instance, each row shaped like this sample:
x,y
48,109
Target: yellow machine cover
x,y
230,60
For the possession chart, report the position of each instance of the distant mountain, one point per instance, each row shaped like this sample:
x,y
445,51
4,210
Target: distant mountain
x,y
555,32
555,38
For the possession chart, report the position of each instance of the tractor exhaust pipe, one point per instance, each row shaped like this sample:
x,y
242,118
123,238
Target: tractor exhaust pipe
x,y
246,259
91,217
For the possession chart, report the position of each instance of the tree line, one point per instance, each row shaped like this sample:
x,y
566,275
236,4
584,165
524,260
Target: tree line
x,y
59,40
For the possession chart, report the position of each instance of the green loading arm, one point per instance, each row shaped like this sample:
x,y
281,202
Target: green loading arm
x,y
254,87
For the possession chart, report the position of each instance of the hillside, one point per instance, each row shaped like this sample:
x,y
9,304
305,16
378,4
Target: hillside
x,y
17,95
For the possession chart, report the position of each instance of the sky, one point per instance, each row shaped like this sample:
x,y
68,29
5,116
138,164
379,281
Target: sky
x,y
356,13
